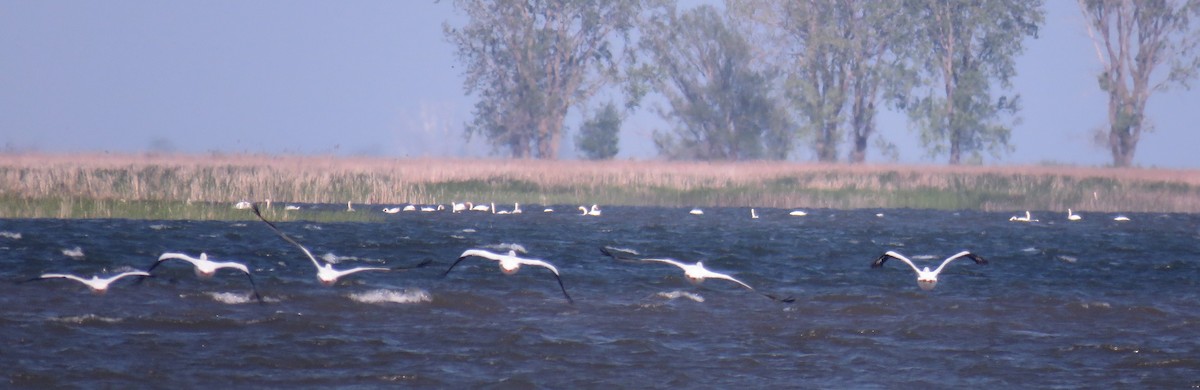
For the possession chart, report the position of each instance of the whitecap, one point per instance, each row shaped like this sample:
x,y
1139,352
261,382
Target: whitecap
x,y
681,294
392,296
11,235
312,227
230,298
1068,259
1029,250
159,227
468,230
86,318
74,253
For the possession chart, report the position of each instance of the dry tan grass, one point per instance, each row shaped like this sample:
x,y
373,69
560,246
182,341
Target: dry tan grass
x,y
323,179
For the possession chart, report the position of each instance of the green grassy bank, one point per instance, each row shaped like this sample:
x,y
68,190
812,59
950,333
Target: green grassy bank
x,y
205,187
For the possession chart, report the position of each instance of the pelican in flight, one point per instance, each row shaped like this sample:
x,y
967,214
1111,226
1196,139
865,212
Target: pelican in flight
x,y
510,264
98,285
1072,216
595,211
205,268
926,279
326,274
695,273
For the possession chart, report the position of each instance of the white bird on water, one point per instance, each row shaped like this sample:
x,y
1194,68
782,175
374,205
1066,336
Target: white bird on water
x,y
1120,218
326,274
798,213
391,210
206,268
1027,218
695,273
926,279
753,215
595,211
510,264
696,211
1072,216
98,285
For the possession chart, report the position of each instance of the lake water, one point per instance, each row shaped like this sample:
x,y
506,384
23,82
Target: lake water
x,y
1062,304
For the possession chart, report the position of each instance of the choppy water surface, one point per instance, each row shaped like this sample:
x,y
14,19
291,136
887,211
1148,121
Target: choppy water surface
x,y
1062,304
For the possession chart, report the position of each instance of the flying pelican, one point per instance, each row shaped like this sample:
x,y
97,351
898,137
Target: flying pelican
x,y
696,211
926,279
206,268
753,215
391,210
695,273
325,273
595,211
798,213
1072,216
98,286
510,264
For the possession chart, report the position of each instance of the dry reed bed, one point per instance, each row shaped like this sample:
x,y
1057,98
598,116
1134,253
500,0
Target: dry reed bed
x,y
322,179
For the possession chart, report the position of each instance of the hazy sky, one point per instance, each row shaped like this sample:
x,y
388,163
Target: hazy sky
x,y
379,78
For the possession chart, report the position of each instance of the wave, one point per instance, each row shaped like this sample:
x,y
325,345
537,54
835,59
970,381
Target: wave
x,y
11,235
392,296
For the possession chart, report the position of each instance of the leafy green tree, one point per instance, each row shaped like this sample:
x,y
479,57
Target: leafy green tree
x,y
964,48
836,56
722,104
1133,40
530,61
598,136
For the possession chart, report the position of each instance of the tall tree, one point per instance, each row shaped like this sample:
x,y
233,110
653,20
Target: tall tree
x,y
965,49
1133,39
836,55
721,102
530,61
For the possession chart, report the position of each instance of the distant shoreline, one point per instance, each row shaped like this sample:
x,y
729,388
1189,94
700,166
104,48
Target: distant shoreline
x,y
167,186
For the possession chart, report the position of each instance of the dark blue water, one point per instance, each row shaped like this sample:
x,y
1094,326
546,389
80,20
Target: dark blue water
x,y
1061,304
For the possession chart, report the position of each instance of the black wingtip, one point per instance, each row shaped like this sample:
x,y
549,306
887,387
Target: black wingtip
x,y
978,259
879,261
422,264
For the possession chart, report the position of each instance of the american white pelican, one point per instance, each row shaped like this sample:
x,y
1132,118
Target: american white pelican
x,y
206,268
242,205
926,279
695,273
1120,218
391,210
1072,216
696,211
753,215
325,273
1027,218
98,285
595,211
797,213
510,264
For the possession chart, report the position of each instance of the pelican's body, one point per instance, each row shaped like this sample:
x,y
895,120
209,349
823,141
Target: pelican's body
x,y
326,274
510,264
926,279
206,268
1072,216
594,211
695,273
98,285
1027,218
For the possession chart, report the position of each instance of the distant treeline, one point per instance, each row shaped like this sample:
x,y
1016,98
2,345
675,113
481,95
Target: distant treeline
x,y
206,187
